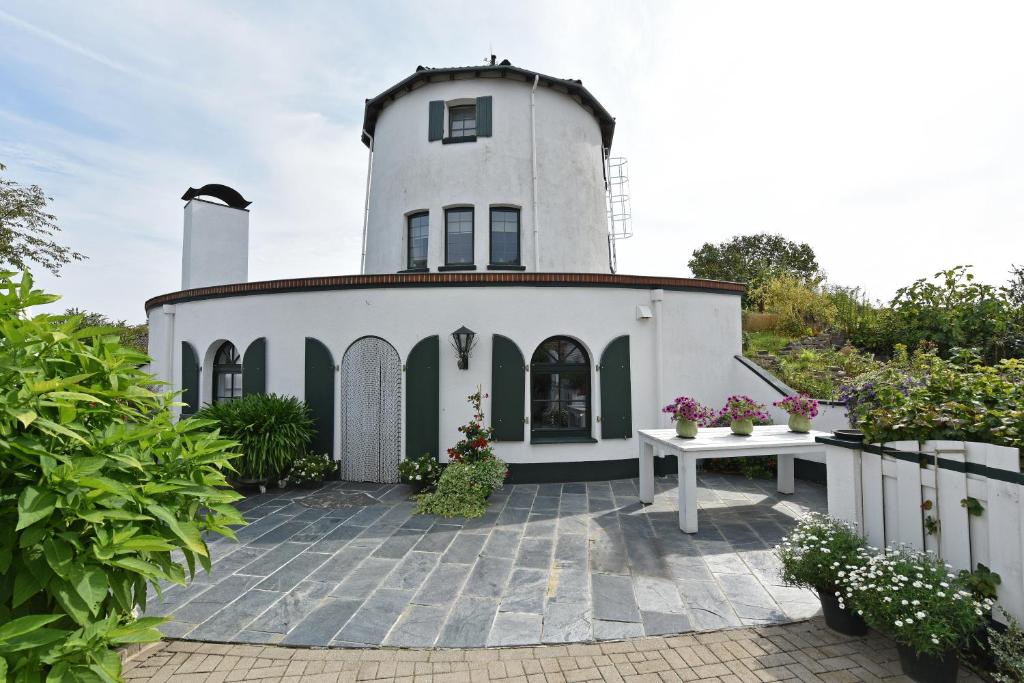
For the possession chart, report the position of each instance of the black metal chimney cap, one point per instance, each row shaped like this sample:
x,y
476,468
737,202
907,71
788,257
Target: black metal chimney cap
x,y
228,195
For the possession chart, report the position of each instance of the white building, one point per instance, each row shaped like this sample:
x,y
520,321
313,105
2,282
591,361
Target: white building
x,y
486,211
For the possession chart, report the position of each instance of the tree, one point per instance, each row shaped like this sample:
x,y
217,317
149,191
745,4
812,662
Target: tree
x,y
133,336
754,259
27,228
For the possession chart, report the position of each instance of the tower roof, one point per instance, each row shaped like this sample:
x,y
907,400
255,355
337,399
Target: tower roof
x,y
424,75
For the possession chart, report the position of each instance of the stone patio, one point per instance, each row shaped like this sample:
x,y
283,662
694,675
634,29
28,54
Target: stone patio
x,y
350,565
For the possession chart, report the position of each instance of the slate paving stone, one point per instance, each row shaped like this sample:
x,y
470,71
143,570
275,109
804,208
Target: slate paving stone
x,y
175,629
418,626
233,618
443,585
513,516
707,606
569,585
482,524
412,571
752,603
374,619
535,553
321,625
469,622
316,530
551,489
546,504
292,608
512,628
488,577
464,549
663,623
502,543
279,534
364,579
274,559
336,539
617,630
655,594
541,525
521,498
289,576
566,623
574,487
613,598
258,528
571,551
373,535
438,538
212,600
525,592
399,543
336,569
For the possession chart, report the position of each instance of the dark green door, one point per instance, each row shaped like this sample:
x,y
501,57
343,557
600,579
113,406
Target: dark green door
x,y
616,401
254,368
422,401
189,379
508,390
320,395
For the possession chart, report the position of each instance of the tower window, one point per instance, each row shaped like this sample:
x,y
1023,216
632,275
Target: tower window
x,y
462,121
504,237
560,389
418,231
227,374
458,236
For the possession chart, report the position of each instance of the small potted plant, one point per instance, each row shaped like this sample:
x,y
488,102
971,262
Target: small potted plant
x,y
741,411
915,599
802,409
817,555
688,416
421,473
310,470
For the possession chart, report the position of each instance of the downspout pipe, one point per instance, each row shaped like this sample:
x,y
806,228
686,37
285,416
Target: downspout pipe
x,y
657,296
533,157
366,204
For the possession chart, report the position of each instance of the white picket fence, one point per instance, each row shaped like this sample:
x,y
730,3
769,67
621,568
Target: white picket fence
x,y
891,498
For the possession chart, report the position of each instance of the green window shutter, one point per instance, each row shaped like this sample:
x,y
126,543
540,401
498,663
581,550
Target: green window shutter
x,y
422,399
616,404
189,379
320,395
254,368
508,389
483,116
435,129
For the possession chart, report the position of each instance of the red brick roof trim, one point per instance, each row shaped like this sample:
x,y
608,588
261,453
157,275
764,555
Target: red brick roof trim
x,y
447,280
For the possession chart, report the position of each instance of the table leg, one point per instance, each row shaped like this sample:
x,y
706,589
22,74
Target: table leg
x,y
688,494
785,483
646,472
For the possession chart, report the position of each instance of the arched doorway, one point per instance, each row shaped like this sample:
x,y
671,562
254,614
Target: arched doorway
x,y
371,411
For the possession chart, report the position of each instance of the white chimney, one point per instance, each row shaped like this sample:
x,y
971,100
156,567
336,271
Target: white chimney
x,y
216,241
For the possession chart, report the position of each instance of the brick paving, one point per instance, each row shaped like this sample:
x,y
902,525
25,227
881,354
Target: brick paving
x,y
805,651
548,563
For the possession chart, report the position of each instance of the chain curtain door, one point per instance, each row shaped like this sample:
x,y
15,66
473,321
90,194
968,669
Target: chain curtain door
x,y
371,411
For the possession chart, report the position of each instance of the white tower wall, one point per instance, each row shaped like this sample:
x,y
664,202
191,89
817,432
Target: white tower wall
x,y
216,245
411,174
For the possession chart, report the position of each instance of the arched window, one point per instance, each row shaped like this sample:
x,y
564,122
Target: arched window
x,y
227,374
560,390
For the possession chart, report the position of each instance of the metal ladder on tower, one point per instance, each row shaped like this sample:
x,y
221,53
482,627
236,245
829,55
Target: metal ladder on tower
x,y
620,218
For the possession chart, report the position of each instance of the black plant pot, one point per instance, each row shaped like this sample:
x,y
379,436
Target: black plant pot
x,y
844,621
926,668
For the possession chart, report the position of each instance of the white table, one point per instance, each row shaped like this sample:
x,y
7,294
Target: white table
x,y
720,442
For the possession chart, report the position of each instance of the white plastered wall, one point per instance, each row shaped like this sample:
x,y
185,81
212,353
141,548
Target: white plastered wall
x,y
215,245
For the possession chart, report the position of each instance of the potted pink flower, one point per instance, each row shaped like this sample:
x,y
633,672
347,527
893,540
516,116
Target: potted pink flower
x,y
741,411
802,409
688,415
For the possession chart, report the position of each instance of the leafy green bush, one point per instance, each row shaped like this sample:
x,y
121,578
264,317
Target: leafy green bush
x,y
310,468
1007,652
97,487
421,472
822,373
272,431
473,473
923,396
802,307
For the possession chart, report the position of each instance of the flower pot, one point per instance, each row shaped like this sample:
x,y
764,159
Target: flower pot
x,y
799,423
686,429
844,621
418,486
929,668
742,427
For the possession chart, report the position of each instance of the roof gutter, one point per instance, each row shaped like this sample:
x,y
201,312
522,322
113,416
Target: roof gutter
x,y
366,203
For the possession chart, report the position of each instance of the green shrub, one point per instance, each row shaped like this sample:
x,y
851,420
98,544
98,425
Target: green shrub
x,y
311,468
422,472
1007,647
272,431
98,487
818,552
822,373
802,307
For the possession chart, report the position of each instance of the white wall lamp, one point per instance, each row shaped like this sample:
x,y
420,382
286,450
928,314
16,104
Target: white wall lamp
x,y
463,341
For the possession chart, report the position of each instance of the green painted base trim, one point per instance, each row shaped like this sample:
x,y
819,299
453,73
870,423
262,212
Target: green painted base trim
x,y
603,470
562,439
493,266
445,269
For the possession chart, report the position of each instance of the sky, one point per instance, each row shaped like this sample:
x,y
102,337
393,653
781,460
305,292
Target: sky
x,y
887,135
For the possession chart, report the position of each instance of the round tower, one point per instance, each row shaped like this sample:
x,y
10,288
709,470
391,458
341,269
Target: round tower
x,y
486,168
